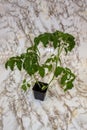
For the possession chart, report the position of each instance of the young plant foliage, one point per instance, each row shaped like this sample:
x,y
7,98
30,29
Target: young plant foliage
x,y
30,60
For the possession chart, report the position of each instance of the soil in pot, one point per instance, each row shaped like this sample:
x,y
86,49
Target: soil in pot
x,y
38,92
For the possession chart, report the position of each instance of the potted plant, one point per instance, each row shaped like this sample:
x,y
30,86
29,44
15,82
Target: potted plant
x,y
30,61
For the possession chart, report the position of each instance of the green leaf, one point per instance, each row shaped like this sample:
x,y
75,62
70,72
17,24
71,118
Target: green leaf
x,y
53,59
44,38
58,71
69,85
48,60
6,65
69,41
24,81
73,77
36,41
23,55
30,63
14,61
49,67
55,41
19,64
10,63
41,71
70,75
27,65
68,70
64,79
28,85
24,87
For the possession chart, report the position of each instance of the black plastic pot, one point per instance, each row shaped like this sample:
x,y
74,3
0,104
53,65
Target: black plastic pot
x,y
38,92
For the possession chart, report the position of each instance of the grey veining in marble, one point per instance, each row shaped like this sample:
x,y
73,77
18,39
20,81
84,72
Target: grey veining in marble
x,y
20,22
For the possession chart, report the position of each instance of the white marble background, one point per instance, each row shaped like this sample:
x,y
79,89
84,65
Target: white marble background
x,y
20,22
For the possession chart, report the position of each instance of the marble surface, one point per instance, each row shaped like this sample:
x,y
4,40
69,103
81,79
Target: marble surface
x,y
20,22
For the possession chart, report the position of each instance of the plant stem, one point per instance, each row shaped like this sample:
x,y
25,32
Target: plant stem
x,y
37,81
57,60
